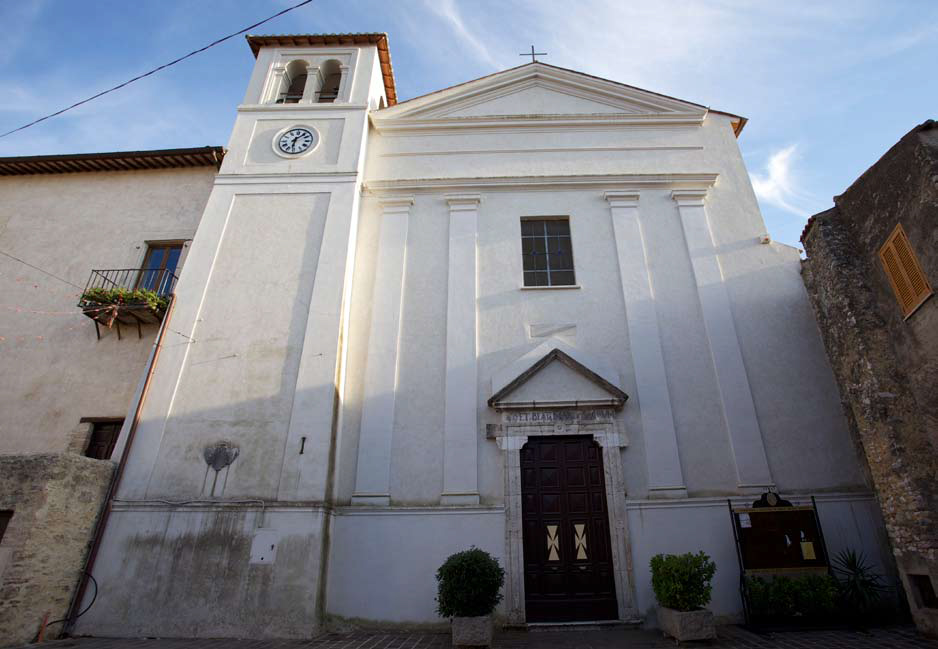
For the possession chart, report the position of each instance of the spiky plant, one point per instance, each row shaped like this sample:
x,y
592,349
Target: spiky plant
x,y
860,587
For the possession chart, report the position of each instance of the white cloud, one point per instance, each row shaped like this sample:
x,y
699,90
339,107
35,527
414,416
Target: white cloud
x,y
446,9
778,185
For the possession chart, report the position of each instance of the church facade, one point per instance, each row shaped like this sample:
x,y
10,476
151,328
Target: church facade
x,y
536,313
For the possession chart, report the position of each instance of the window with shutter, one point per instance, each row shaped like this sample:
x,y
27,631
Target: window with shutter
x,y
904,272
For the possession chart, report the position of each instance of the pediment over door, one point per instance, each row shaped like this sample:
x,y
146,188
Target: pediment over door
x,y
551,377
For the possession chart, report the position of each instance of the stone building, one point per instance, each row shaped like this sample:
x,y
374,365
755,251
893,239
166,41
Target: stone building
x,y
871,263
536,312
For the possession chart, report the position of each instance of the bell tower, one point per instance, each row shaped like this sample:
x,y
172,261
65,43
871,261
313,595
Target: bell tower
x,y
252,360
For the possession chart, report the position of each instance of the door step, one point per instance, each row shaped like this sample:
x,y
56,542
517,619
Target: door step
x,y
593,625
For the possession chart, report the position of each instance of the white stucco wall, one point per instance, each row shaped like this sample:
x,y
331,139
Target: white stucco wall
x,y
766,319
56,370
262,310
318,337
384,561
226,571
806,441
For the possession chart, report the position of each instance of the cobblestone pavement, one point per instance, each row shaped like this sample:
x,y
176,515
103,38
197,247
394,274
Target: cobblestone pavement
x,y
730,637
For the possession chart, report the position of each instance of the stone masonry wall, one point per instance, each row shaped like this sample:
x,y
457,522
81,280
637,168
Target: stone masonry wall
x,y
887,366
56,500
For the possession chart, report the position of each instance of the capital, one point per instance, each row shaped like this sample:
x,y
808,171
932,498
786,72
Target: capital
x,y
689,197
463,202
621,199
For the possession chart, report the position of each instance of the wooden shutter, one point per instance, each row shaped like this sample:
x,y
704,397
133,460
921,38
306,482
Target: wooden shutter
x,y
904,272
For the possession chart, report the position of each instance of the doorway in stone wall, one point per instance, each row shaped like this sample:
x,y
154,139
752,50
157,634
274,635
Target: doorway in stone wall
x,y
568,565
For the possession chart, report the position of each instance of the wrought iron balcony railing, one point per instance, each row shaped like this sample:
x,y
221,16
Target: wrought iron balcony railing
x,y
130,296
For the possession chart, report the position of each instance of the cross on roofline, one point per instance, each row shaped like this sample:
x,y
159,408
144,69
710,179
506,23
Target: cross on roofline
x,y
533,54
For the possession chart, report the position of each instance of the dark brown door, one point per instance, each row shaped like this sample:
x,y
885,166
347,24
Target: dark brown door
x,y
104,436
568,574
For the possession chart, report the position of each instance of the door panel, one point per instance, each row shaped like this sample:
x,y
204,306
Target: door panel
x,y
568,573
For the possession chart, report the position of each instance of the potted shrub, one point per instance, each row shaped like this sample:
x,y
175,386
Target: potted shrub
x,y
682,587
468,589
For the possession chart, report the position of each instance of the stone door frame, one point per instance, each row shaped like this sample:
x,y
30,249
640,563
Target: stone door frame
x,y
511,435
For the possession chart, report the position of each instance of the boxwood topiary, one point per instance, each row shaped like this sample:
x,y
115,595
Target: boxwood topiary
x,y
682,581
468,584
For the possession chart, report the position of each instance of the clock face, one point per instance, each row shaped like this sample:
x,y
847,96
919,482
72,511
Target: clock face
x,y
296,140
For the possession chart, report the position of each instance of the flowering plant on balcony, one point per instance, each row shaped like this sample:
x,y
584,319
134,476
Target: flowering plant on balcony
x,y
118,296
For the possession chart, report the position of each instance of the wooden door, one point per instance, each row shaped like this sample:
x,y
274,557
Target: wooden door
x,y
568,571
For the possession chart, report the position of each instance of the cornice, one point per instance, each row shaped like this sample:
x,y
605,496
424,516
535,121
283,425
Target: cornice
x,y
245,179
534,122
611,183
538,150
275,109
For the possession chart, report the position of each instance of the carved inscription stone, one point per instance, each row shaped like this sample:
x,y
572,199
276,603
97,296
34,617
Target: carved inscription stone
x,y
559,416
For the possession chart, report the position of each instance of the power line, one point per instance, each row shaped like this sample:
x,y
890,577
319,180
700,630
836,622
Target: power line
x,y
26,263
155,70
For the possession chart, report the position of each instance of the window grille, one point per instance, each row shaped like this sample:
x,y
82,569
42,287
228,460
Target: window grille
x,y
547,252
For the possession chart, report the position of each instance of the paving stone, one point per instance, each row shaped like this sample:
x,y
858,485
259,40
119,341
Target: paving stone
x,y
728,637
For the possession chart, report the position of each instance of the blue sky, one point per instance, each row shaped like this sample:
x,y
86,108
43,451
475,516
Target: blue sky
x,y
827,86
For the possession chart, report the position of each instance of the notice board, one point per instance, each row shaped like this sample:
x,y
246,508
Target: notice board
x,y
773,539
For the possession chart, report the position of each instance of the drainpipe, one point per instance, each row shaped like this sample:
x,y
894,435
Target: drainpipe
x,y
115,481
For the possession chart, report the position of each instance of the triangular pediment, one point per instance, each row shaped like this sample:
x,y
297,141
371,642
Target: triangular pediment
x,y
539,90
554,379
536,98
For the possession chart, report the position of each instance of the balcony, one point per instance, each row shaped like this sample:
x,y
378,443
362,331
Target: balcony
x,y
127,296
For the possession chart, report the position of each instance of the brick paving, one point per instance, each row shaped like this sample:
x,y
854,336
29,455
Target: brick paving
x,y
730,637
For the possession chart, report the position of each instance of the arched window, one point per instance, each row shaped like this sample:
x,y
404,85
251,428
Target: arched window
x,y
331,79
294,83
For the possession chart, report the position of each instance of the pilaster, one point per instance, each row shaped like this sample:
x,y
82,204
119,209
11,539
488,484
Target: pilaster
x,y
662,460
752,468
345,85
313,83
373,477
514,534
460,427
